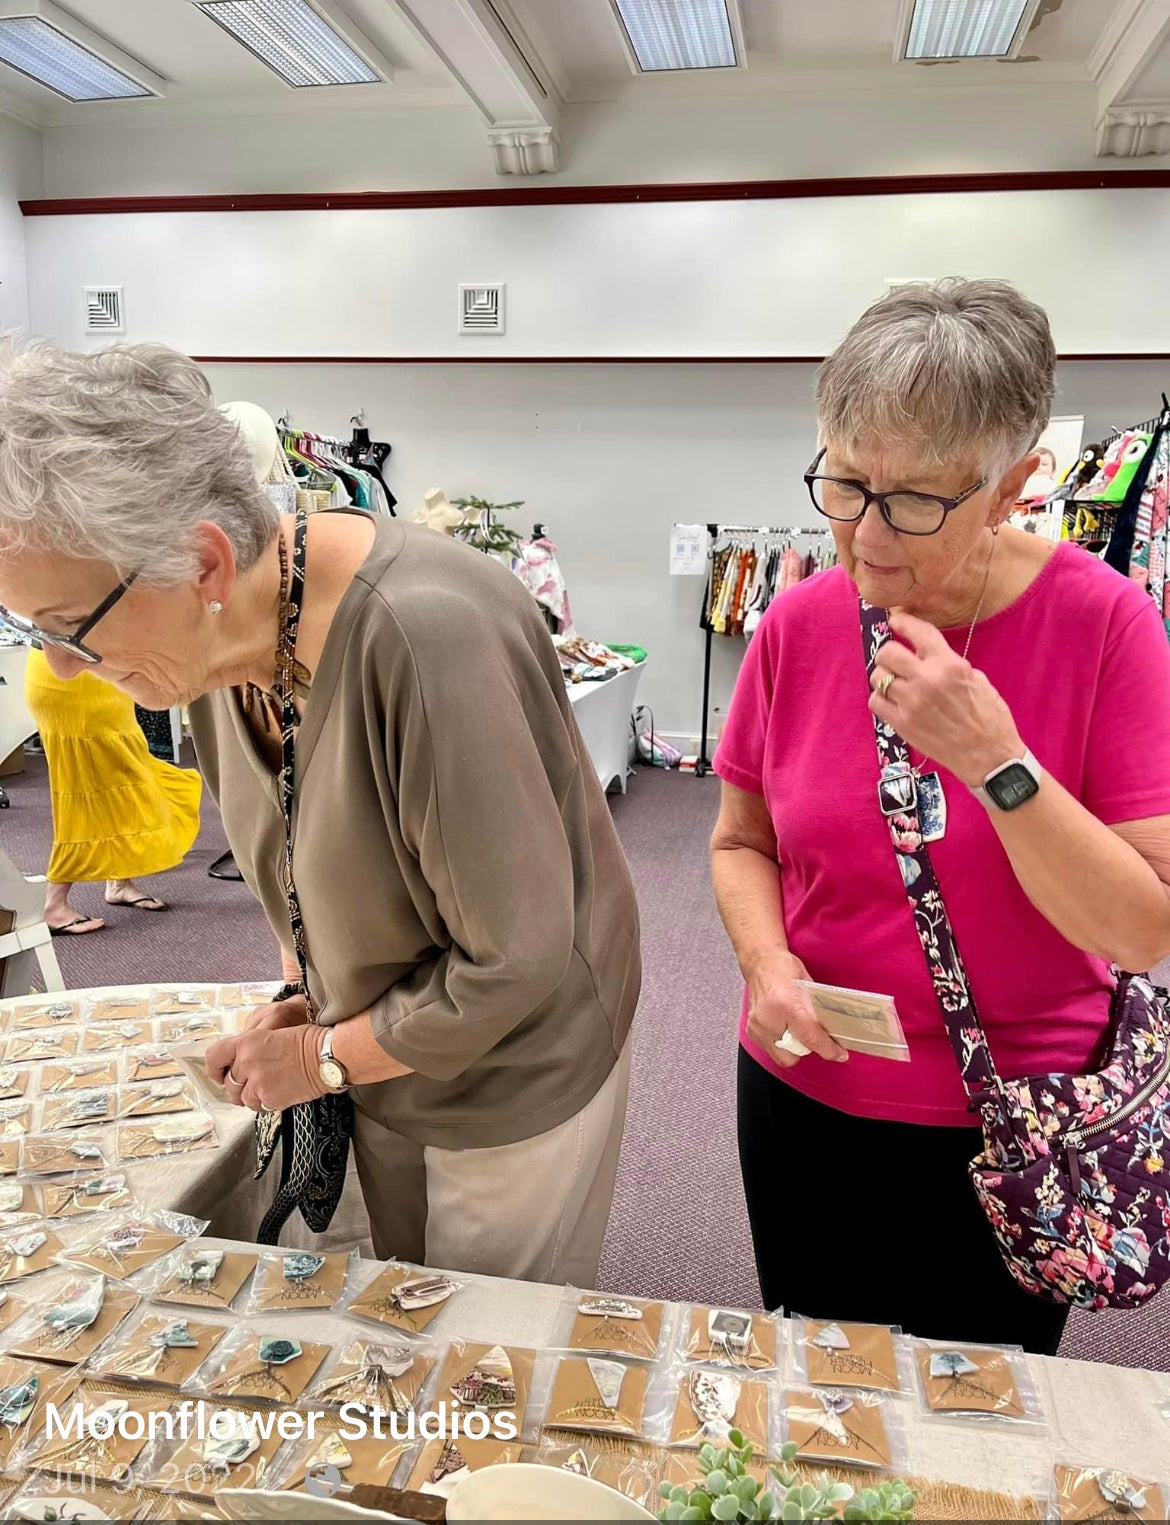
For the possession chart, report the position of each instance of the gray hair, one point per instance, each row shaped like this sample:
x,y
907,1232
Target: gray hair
x,y
117,455
958,370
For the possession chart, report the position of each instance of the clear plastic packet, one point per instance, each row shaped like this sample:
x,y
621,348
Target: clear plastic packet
x,y
14,1301
265,1360
634,1475
1105,1493
14,1081
74,1312
828,1353
20,1202
247,996
156,1347
437,1466
120,1245
599,1396
26,1389
113,1037
215,1445
29,1248
191,1061
198,1026
360,1450
11,1155
730,1337
203,1276
57,1496
604,1324
155,1063
157,1098
78,1075
298,1281
184,1002
104,1444
988,1384
43,1011
74,1196
66,1153
860,1020
376,1376
41,1043
180,1133
404,1297
695,1406
844,1427
120,1006
76,1109
491,1380
15,1118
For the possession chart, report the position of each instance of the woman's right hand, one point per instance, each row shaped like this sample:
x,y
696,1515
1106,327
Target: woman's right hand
x,y
290,1013
778,1005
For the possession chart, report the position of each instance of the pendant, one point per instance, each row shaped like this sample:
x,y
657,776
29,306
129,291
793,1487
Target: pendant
x,y
200,1268
490,1384
77,1312
302,1266
188,1129
608,1377
729,1331
834,1405
447,1471
231,1440
932,808
421,1292
23,1246
11,1196
1119,1490
951,1363
608,1307
38,1507
330,1453
715,1399
18,1401
897,789
831,1337
277,1352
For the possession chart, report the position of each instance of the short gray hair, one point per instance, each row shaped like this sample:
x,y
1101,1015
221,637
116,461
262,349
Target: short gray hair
x,y
957,369
117,455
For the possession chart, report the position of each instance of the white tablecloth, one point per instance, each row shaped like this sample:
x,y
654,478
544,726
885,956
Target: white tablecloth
x,y
602,712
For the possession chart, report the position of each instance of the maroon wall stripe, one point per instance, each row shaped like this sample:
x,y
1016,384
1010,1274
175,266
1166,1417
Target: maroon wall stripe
x,y
591,195
1152,355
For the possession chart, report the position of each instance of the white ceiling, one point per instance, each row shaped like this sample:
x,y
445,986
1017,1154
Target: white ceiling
x,y
520,61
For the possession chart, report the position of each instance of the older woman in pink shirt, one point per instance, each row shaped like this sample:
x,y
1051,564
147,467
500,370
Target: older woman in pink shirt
x,y
1018,661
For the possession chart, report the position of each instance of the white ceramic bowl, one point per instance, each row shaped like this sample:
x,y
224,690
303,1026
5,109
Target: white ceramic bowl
x,y
519,1491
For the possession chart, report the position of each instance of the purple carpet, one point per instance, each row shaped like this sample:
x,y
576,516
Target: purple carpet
x,y
678,1228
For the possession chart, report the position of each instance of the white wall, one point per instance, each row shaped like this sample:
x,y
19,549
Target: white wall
x,y
919,130
21,176
609,457
698,278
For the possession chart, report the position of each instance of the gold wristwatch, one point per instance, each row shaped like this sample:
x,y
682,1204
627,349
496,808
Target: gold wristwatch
x,y
331,1071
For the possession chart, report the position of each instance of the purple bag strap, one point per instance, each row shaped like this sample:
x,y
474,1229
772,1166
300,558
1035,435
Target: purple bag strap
x,y
943,960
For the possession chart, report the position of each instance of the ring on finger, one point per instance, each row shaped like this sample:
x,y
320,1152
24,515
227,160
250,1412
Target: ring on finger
x,y
792,1045
885,683
230,1080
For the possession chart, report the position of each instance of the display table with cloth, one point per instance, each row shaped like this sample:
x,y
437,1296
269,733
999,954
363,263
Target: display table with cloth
x,y
602,710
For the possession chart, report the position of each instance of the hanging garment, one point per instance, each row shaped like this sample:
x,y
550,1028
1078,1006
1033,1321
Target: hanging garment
x,y
535,564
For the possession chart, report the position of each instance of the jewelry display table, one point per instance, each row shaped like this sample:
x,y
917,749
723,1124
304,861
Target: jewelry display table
x,y
602,711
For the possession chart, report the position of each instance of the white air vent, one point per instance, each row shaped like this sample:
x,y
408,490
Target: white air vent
x,y
105,311
481,309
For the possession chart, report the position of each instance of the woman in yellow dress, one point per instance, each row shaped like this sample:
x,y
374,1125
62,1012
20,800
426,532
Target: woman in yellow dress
x,y
118,813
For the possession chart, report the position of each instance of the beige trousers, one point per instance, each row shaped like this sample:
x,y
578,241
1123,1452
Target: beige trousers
x,y
536,1210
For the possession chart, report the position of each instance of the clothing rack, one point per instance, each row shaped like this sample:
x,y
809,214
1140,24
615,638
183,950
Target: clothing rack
x,y
715,533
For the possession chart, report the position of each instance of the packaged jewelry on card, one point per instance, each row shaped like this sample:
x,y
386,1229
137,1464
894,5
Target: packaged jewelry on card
x,y
440,1464
72,1316
488,1379
27,1249
374,1376
1105,1493
15,1118
157,1098
185,1029
404,1297
122,1244
334,1452
622,1326
244,997
202,1276
26,1387
635,1476
13,1082
846,1426
828,1353
708,1405
223,1447
271,1362
148,1064
56,1011
107,1445
130,1006
22,1048
977,1382
181,1133
83,1194
299,1280
11,1152
78,1075
162,1349
75,1109
19,1202
58,1153
731,1337
598,1395
113,1037
183,1003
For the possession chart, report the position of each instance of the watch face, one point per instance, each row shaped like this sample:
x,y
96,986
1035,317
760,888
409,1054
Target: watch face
x,y
332,1074
1011,786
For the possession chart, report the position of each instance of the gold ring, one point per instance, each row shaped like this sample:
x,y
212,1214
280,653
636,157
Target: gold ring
x,y
885,683
230,1080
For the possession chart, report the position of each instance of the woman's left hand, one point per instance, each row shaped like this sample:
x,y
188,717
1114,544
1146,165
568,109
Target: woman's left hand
x,y
941,705
270,1068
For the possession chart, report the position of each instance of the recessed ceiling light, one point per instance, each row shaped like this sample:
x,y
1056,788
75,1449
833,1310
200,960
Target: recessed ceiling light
x,y
46,44
678,34
934,29
301,42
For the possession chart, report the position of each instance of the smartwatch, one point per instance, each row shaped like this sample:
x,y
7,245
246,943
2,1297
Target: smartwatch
x,y
331,1071
1010,785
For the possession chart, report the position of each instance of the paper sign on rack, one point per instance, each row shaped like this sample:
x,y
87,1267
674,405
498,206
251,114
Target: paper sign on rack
x,y
688,550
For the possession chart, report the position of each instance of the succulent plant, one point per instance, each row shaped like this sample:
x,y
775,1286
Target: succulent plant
x,y
727,1491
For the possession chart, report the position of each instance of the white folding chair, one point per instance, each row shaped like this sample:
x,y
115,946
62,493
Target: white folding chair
x,y
25,940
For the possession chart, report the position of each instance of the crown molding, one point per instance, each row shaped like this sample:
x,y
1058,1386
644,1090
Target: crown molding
x,y
1133,131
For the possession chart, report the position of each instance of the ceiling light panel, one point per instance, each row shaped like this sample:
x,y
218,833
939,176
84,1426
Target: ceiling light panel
x,y
966,28
678,34
36,41
294,40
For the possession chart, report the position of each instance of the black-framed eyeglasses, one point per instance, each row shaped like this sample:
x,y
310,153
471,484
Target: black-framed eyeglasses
x,y
910,513
74,643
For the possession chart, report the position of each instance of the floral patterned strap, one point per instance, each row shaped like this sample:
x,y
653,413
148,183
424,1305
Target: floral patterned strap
x,y
931,922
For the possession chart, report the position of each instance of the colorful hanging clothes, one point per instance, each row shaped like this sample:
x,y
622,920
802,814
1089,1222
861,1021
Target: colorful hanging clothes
x,y
1151,544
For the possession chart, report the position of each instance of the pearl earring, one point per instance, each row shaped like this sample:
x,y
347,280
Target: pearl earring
x,y
215,607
